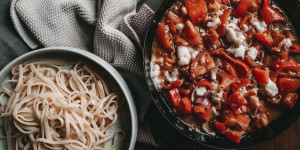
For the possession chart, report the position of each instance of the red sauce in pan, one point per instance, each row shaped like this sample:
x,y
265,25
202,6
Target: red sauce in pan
x,y
228,66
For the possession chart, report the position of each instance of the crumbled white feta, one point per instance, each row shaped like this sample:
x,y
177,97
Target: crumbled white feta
x,y
252,52
237,52
214,23
243,90
245,28
234,35
171,77
183,55
179,27
214,74
260,26
287,43
215,85
271,88
194,54
155,71
203,60
202,31
201,91
217,96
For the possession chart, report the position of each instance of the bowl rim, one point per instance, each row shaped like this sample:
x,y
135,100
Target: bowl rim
x,y
94,58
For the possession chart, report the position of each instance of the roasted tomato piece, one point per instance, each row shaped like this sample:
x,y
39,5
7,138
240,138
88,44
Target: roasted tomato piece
x,y
230,69
295,48
289,64
172,86
212,40
204,83
197,10
242,122
164,37
234,136
206,115
288,85
242,8
199,109
237,103
191,34
175,97
174,18
227,79
290,100
266,3
264,39
261,76
223,18
221,127
270,14
201,64
228,118
241,84
245,68
186,105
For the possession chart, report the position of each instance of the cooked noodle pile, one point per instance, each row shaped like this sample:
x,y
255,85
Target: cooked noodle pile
x,y
53,108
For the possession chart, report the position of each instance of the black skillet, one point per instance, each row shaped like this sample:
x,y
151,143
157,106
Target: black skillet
x,y
277,126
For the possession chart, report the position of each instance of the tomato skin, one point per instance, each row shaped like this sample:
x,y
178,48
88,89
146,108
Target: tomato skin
x,y
237,103
197,10
295,48
288,85
221,127
243,121
251,62
197,68
270,14
230,69
175,97
172,86
204,83
261,76
234,136
266,3
164,37
186,105
223,18
236,61
191,34
290,100
243,83
199,109
264,39
279,65
242,8
227,80
206,115
174,18
228,118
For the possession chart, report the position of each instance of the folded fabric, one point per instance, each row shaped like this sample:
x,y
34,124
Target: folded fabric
x,y
110,28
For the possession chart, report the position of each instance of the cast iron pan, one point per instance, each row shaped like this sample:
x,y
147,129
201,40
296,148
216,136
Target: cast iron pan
x,y
277,126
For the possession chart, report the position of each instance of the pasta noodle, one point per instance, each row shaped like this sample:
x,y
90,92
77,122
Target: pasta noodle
x,y
55,108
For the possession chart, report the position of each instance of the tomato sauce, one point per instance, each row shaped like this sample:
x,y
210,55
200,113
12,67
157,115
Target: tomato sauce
x,y
228,66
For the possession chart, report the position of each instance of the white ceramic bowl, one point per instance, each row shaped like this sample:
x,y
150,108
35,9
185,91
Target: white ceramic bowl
x,y
127,116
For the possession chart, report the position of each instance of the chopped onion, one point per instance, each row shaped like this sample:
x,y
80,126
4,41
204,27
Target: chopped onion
x,y
207,129
203,101
208,94
193,95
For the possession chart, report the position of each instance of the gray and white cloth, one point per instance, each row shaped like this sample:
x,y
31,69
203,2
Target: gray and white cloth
x,y
110,29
